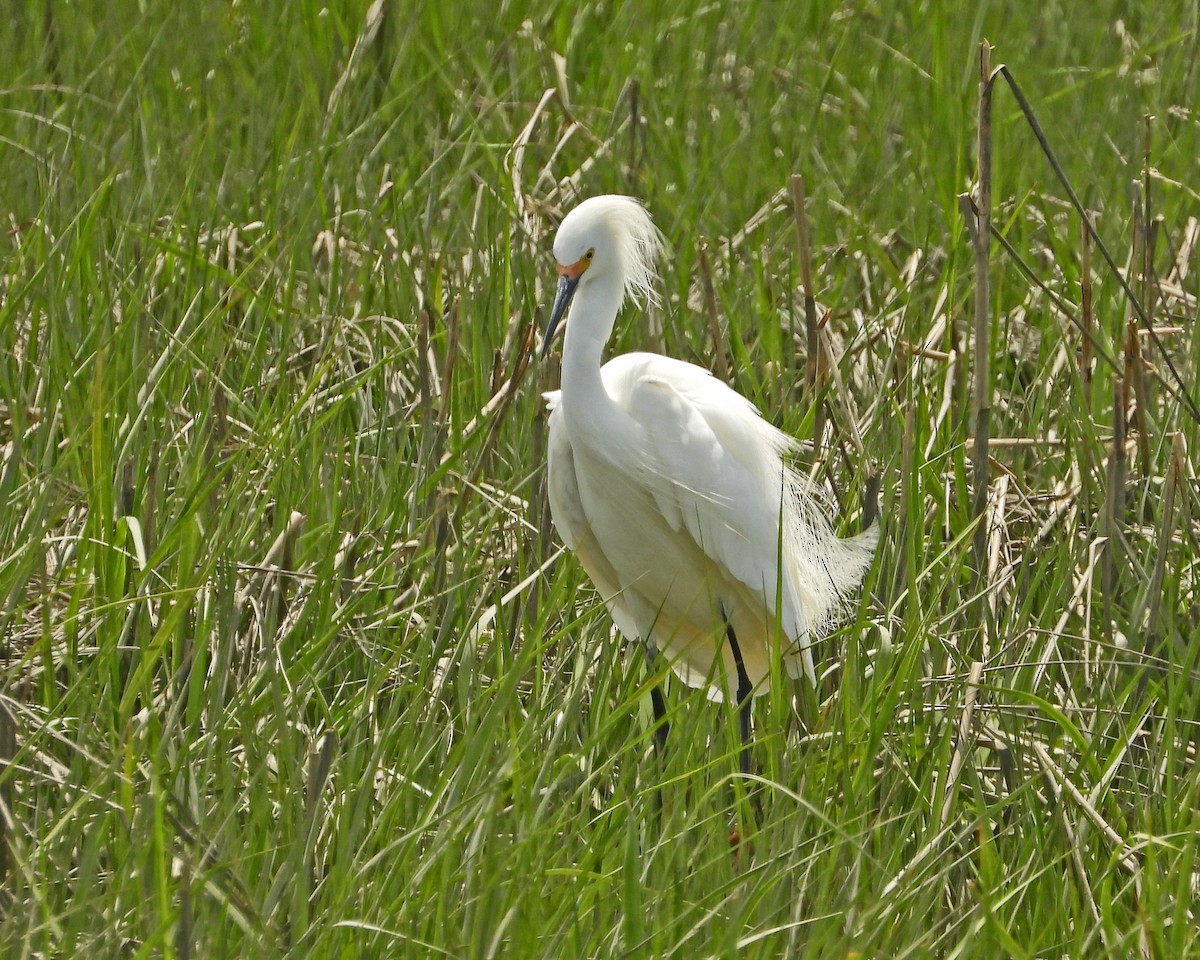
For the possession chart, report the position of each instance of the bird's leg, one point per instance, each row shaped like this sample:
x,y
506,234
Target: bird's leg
x,y
743,695
744,690
661,726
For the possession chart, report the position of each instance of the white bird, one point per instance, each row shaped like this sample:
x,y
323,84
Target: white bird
x,y
678,498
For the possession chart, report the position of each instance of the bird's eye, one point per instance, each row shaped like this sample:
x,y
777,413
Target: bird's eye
x,y
591,253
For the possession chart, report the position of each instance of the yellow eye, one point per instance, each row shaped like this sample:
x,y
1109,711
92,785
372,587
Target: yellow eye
x,y
591,253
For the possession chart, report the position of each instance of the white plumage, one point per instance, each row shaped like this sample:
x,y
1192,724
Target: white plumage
x,y
677,497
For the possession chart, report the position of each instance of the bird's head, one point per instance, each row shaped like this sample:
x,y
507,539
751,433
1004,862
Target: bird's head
x,y
605,241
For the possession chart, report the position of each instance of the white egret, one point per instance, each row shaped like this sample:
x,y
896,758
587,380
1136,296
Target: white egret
x,y
678,498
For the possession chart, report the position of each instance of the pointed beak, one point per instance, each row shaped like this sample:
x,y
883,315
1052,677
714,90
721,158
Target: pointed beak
x,y
566,289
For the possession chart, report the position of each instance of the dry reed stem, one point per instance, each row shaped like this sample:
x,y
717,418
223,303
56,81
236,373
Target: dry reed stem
x,y
636,133
525,215
272,561
8,751
908,477
981,400
720,360
1174,386
451,356
1085,312
425,387
1149,233
1127,856
1135,375
499,403
812,371
961,741
1114,507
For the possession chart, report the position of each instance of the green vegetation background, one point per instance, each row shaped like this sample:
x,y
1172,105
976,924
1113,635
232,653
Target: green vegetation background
x,y
290,664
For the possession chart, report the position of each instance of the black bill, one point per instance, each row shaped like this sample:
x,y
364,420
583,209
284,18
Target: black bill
x,y
566,290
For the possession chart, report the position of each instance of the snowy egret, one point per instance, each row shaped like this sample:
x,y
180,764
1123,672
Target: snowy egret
x,y
677,496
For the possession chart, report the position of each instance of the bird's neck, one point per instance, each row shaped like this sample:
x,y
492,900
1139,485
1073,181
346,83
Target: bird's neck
x,y
588,328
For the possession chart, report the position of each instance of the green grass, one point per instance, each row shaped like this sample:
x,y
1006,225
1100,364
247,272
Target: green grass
x,y
290,665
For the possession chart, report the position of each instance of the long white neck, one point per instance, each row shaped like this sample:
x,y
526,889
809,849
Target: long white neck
x,y
593,313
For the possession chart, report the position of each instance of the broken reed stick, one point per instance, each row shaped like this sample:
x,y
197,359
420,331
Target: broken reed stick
x,y
981,397
547,376
960,385
452,328
904,576
8,753
721,361
1114,508
1148,232
1141,383
1135,378
812,365
635,132
1086,452
1039,443
427,377
1085,312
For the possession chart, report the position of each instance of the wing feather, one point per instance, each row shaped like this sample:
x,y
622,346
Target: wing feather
x,y
570,519
701,435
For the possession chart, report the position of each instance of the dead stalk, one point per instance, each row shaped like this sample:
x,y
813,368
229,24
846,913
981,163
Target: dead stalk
x,y
451,355
635,133
962,743
425,391
1135,376
1148,231
1127,856
8,751
812,365
1114,507
1085,313
720,360
981,399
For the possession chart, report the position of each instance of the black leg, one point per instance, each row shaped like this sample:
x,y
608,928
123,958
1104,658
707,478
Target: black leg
x,y
743,695
661,726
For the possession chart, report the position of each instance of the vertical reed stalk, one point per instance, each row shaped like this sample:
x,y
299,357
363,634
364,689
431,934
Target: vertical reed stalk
x,y
634,92
1135,376
1141,382
1086,311
981,400
1114,507
812,365
1086,357
8,751
720,360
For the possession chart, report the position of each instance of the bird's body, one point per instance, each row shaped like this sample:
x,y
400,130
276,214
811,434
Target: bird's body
x,y
678,498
